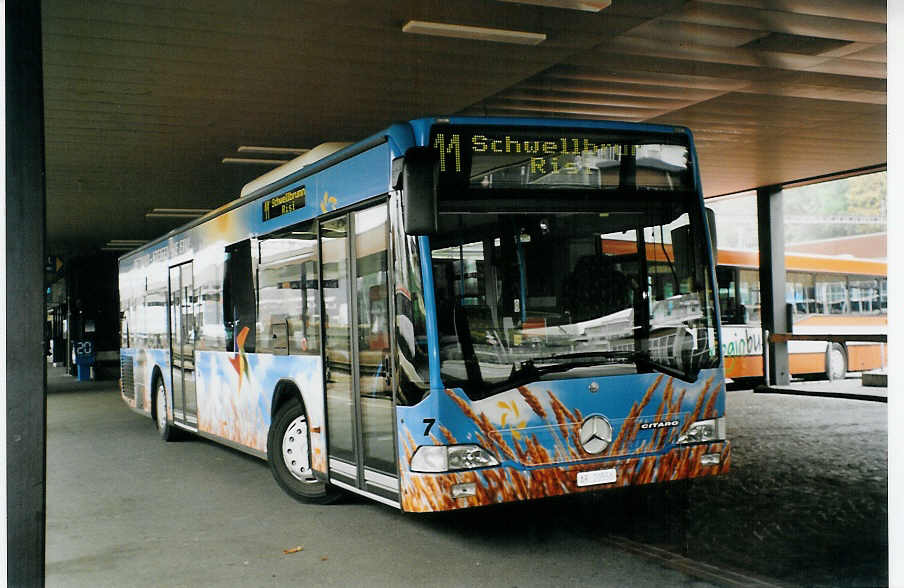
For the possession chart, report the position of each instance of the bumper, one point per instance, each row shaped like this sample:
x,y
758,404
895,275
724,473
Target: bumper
x,y
434,492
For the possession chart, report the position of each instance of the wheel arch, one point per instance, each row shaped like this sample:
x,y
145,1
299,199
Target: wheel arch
x,y
284,391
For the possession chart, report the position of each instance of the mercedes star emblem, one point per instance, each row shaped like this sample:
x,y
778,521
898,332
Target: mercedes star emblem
x,y
596,434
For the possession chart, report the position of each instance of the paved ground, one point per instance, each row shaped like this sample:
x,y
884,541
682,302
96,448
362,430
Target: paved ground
x,y
126,509
807,498
805,504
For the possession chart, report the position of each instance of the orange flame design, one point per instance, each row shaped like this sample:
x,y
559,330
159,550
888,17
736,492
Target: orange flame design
x,y
239,361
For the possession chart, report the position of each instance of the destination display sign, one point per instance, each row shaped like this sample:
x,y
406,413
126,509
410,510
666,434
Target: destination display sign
x,y
285,203
499,157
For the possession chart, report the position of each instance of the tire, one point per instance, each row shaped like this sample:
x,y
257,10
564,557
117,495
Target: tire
x,y
289,456
836,362
164,428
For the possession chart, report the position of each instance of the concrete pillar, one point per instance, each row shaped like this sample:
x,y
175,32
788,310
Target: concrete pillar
x,y
23,228
771,230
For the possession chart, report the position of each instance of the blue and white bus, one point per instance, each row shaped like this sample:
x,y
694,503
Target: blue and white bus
x,y
454,312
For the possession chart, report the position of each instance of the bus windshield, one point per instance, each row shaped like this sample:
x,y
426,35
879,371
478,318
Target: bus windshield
x,y
527,296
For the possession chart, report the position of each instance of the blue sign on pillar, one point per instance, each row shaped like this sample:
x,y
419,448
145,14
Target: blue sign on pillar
x,y
84,359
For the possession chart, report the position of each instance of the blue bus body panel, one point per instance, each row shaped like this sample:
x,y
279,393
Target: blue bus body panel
x,y
349,181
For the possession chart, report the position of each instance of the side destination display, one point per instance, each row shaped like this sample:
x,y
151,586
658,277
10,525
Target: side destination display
x,y
283,204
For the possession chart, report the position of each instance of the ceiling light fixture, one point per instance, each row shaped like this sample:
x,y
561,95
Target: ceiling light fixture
x,y
437,29
253,161
274,150
176,212
122,244
585,5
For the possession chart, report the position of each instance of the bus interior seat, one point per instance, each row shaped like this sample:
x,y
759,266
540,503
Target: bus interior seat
x,y
596,288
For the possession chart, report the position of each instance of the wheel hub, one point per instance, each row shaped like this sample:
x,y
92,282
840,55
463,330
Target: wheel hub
x,y
837,368
295,450
161,407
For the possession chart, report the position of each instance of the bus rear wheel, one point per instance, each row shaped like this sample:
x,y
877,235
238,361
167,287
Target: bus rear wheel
x,y
836,362
289,455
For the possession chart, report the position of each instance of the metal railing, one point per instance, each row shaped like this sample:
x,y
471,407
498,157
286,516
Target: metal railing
x,y
785,337
833,338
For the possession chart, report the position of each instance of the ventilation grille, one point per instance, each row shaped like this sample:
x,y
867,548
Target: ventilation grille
x,y
128,376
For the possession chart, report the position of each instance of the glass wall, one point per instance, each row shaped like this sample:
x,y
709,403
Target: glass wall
x,y
835,250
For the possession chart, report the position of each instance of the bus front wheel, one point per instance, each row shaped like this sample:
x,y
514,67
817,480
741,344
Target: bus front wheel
x,y
163,427
836,362
289,455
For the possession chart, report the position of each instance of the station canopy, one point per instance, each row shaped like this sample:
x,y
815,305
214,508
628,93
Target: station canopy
x,y
144,99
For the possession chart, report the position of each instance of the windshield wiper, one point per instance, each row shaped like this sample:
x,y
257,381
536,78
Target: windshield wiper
x,y
528,371
584,358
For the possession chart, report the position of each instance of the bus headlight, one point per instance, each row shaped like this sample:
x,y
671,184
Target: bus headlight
x,y
703,431
468,457
446,458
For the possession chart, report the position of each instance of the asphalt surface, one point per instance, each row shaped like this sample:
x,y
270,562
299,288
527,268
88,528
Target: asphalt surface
x,y
804,504
806,501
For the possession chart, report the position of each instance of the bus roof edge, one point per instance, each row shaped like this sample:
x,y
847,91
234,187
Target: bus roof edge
x,y
291,166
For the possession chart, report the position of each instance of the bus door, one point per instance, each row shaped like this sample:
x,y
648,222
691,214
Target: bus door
x,y
357,357
182,344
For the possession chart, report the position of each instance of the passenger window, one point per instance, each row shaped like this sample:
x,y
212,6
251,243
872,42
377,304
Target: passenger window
x,y
728,303
749,281
239,304
289,299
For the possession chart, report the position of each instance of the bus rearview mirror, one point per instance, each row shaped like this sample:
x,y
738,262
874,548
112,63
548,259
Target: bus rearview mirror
x,y
418,186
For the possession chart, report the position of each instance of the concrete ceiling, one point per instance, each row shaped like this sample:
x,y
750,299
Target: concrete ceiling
x,y
143,98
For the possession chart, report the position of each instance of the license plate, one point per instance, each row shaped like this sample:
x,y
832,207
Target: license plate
x,y
596,477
